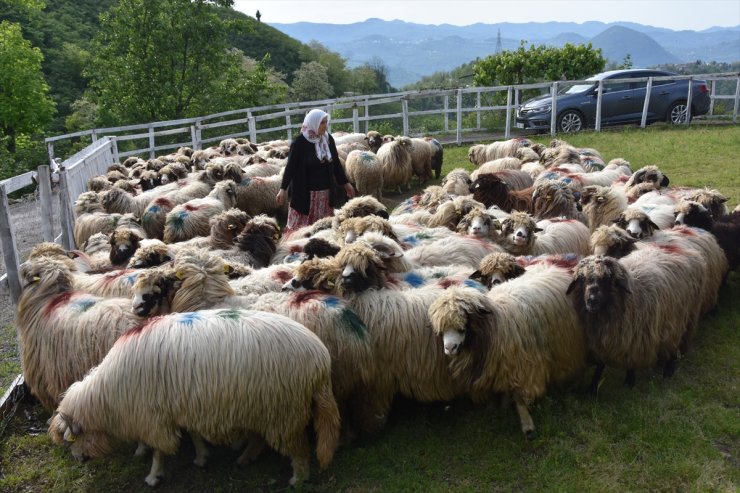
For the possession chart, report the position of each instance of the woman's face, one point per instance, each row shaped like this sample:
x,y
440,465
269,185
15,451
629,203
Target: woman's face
x,y
322,127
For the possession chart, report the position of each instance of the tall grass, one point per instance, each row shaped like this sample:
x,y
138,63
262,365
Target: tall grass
x,y
680,434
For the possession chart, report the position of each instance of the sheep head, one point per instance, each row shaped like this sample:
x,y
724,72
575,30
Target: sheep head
x,y
596,284
489,189
637,223
611,240
153,291
519,231
479,223
316,273
228,147
648,174
692,213
123,243
552,198
45,274
712,200
226,226
362,268
455,316
496,268
151,253
84,444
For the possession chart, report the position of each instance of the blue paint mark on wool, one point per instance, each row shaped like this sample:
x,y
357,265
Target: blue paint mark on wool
x,y
84,305
332,301
470,283
189,318
410,239
154,209
413,279
131,278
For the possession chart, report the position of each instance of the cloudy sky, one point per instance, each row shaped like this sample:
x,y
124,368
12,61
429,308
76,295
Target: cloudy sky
x,y
672,14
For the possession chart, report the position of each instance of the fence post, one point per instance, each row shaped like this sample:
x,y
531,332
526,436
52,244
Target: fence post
x,y
599,92
477,113
507,130
554,109
356,120
151,141
66,216
287,122
713,85
94,135
367,115
50,152
447,116
405,110
7,239
737,100
645,105
47,220
114,148
688,102
459,117
252,128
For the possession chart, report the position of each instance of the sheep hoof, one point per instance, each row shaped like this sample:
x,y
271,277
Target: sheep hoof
x,y
140,450
530,435
152,480
200,461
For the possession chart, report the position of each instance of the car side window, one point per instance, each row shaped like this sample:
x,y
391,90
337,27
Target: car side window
x,y
615,86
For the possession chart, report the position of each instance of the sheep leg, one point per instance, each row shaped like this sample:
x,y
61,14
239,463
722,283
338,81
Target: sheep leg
x,y
526,420
201,452
670,367
297,448
255,446
141,450
156,473
630,378
596,380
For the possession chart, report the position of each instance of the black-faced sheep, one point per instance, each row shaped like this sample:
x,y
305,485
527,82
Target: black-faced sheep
x,y
725,228
516,339
490,189
276,382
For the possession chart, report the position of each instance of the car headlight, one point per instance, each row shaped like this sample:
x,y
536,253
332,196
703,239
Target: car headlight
x,y
540,109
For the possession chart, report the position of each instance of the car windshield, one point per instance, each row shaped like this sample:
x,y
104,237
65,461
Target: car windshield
x,y
576,89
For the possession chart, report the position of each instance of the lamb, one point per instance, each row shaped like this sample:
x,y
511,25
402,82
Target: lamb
x,y
365,171
191,219
637,310
63,332
217,402
395,158
520,235
491,189
514,340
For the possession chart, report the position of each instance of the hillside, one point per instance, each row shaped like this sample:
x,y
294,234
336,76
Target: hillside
x,y
617,41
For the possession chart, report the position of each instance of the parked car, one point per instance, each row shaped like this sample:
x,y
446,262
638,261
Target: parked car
x,y
621,102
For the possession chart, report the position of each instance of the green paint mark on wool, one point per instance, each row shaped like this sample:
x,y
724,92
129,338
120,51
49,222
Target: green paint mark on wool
x,y
352,322
230,314
177,220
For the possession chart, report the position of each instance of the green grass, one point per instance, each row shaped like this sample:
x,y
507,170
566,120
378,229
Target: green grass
x,y
675,435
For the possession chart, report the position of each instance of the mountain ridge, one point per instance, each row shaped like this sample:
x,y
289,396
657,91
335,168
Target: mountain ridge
x,y
411,51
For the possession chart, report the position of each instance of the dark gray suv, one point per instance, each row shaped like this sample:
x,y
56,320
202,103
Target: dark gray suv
x,y
621,102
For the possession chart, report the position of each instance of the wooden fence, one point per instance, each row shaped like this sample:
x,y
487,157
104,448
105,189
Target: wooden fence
x,y
358,113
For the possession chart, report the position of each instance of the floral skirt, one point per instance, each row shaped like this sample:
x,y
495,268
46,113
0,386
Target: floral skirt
x,y
320,207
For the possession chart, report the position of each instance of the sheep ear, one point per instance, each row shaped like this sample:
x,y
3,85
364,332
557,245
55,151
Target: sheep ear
x,y
517,270
573,284
639,177
665,181
653,225
476,276
228,269
621,283
73,254
538,230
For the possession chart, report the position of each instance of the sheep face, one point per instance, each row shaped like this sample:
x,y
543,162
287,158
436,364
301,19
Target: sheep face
x,y
45,273
453,316
519,229
477,223
152,290
497,268
84,444
595,280
123,244
612,241
361,267
650,174
692,213
153,254
636,223
228,147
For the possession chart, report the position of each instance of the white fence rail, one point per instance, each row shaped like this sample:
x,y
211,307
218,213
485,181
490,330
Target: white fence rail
x,y
356,112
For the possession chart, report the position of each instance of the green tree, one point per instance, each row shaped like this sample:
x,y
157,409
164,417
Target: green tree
x,y
363,80
25,105
155,59
537,64
336,68
311,83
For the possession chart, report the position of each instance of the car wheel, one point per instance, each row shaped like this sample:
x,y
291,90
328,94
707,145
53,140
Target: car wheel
x,y
676,113
570,121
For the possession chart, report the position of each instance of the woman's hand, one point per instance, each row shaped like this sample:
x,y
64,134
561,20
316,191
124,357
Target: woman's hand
x,y
349,190
280,197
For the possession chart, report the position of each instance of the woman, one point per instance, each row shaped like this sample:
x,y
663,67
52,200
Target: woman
x,y
312,164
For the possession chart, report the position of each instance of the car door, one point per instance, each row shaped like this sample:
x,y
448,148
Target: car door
x,y
617,101
661,95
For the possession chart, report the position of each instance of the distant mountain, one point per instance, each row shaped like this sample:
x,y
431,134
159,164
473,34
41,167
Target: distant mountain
x,y
411,51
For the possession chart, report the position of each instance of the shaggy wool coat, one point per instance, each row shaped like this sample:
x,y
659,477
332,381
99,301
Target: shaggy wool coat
x,y
302,157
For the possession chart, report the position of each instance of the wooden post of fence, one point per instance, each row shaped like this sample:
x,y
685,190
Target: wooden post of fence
x,y
66,216
554,109
477,113
507,130
252,128
405,110
458,138
94,135
737,100
7,239
688,102
367,115
47,220
356,120
287,122
151,142
645,105
447,115
713,87
114,148
599,92
193,137
50,152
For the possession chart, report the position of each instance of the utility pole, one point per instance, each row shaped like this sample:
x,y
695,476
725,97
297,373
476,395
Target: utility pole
x,y
498,42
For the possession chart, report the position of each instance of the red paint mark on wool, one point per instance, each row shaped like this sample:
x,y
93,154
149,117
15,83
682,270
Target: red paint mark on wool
x,y
139,329
190,208
164,202
446,283
283,276
580,179
672,249
296,249
686,231
622,179
56,302
566,262
303,297
112,276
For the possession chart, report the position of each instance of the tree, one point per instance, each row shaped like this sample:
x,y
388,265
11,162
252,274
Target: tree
x,y
537,64
155,59
25,105
336,69
310,83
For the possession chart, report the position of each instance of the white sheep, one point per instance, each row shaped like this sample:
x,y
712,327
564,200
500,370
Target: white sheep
x,y
229,373
365,170
192,218
521,235
396,160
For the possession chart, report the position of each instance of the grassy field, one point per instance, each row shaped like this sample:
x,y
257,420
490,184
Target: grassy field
x,y
680,434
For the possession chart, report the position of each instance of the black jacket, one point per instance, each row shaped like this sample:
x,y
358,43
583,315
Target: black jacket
x,y
302,153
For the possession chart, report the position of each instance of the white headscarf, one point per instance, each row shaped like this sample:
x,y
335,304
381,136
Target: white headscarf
x,y
310,131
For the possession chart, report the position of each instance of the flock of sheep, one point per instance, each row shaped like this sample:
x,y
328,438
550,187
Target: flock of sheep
x,y
185,309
